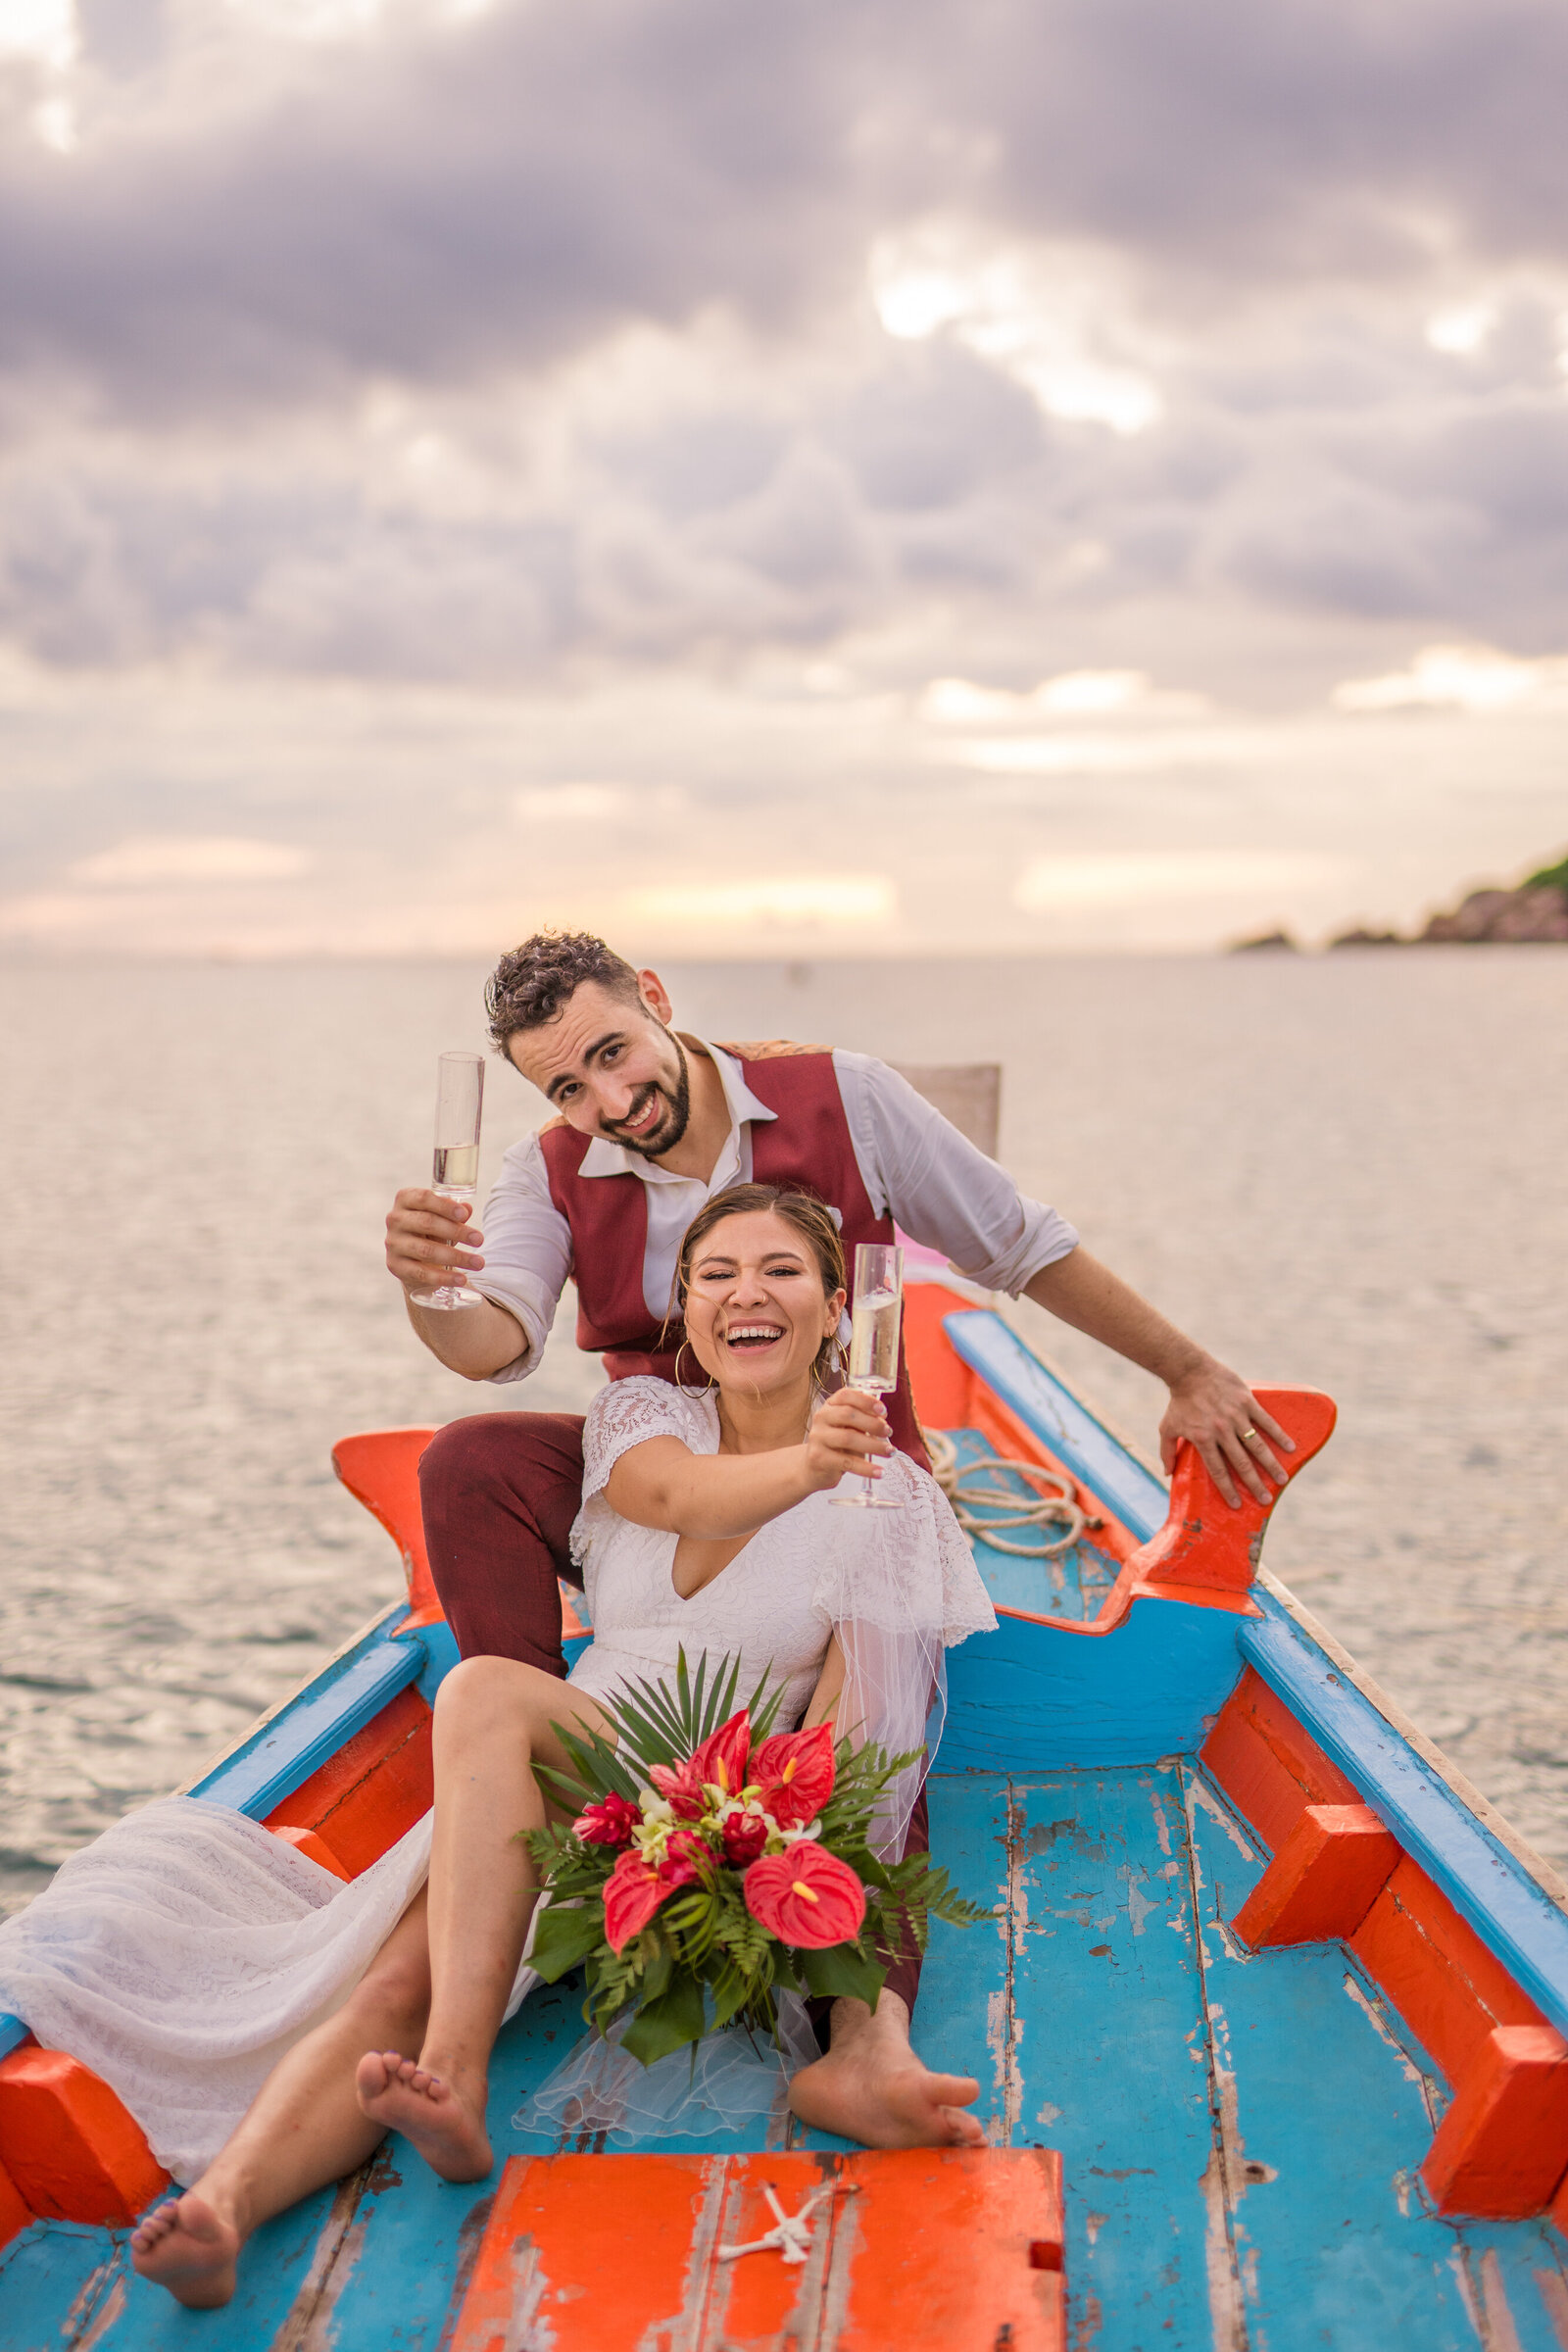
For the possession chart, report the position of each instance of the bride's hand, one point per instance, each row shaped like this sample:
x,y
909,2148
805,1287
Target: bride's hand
x,y
846,1433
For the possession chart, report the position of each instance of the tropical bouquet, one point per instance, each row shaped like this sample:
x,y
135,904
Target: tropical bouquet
x,y
713,1862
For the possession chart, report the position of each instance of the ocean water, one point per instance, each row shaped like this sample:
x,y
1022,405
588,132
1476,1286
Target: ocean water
x,y
1350,1171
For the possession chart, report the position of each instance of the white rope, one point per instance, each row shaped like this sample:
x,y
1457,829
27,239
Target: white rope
x,y
1003,1506
790,2233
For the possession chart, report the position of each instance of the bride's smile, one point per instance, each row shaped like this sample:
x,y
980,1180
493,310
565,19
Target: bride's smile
x,y
755,1310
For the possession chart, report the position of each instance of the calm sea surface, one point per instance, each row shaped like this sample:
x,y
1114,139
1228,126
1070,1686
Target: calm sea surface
x,y
1348,1171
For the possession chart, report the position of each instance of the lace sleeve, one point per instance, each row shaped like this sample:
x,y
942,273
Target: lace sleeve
x,y
627,1413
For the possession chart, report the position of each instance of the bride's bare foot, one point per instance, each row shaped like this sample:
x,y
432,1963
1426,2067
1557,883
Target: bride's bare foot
x,y
445,2121
187,2247
872,2087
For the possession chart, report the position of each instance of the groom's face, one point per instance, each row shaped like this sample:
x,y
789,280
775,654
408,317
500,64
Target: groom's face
x,y
611,1067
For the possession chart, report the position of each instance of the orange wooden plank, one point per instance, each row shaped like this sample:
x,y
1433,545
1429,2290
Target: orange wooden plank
x,y
1502,2147
583,2251
1436,1970
14,2214
1205,1546
936,2251
942,1381
919,2248
314,1847
381,1469
1322,1880
1267,1765
364,1798
72,2150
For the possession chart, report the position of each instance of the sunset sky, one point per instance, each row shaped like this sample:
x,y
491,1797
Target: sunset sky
x,y
837,476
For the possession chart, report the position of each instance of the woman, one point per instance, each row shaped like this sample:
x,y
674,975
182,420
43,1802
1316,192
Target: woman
x,y
707,1524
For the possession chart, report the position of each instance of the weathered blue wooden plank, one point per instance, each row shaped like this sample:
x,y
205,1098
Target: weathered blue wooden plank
x,y
440,1656
1111,2048
1325,2122
285,2268
47,2271
1515,1916
1031,1696
287,1748
1061,1420
415,2229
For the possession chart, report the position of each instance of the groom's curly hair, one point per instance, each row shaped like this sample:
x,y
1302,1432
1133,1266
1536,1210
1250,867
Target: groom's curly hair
x,y
531,984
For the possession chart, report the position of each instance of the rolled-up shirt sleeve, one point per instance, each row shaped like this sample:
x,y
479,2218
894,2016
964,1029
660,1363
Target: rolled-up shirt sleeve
x,y
942,1191
526,1252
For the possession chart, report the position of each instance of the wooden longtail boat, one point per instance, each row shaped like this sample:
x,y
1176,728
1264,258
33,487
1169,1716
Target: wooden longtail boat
x,y
1270,2025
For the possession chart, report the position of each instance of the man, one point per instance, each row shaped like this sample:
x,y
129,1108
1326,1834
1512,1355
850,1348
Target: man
x,y
651,1124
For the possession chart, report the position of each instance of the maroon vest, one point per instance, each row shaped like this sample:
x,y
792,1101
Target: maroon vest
x,y
805,1146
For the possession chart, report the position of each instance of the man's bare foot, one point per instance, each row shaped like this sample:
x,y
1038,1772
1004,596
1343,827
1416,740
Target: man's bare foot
x,y
872,2087
444,2124
185,2247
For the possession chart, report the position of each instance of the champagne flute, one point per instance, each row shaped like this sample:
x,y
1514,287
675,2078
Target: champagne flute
x,y
874,1344
459,1098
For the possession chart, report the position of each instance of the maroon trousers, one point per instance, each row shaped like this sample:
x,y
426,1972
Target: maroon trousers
x,y
500,1491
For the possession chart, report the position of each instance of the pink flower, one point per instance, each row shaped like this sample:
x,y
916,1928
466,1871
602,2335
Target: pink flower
x,y
609,1822
745,1835
720,1762
793,1771
680,1789
635,1888
805,1897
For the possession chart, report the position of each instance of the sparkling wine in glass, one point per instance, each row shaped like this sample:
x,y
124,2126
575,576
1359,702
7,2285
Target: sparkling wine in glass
x,y
874,1344
459,1098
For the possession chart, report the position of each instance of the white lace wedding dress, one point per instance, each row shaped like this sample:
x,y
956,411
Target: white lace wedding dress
x,y
184,1951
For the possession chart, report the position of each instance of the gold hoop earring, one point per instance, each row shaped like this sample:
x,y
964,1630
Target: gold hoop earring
x,y
679,1383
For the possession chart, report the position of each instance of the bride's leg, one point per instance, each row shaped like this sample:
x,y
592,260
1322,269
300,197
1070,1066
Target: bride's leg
x,y
306,2127
492,1717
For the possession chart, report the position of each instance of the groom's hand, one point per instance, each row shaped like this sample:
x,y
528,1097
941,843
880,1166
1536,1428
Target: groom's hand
x,y
848,1433
430,1240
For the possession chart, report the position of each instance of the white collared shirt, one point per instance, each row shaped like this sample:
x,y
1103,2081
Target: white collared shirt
x,y
916,1168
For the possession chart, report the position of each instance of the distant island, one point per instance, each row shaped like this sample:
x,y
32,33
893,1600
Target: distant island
x,y
1536,908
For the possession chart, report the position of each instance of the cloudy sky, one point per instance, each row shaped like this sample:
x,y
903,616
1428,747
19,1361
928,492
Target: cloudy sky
x,y
830,476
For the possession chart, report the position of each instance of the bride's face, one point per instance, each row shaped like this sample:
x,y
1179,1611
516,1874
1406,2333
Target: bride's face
x,y
755,1313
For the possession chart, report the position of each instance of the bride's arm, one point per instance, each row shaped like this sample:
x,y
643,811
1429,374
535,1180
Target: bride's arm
x,y
715,1496
829,1688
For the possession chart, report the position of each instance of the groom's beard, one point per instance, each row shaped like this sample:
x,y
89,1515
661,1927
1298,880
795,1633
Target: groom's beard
x,y
671,1127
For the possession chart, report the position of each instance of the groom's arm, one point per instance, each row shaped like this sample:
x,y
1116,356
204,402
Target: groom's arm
x,y
946,1193
518,1266
1211,1406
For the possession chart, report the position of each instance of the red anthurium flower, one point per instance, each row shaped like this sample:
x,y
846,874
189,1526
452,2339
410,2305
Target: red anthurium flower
x,y
635,1888
805,1897
795,1772
633,1893
720,1761
745,1835
610,1822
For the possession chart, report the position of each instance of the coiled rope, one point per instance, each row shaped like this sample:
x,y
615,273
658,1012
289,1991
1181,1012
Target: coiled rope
x,y
1003,1505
